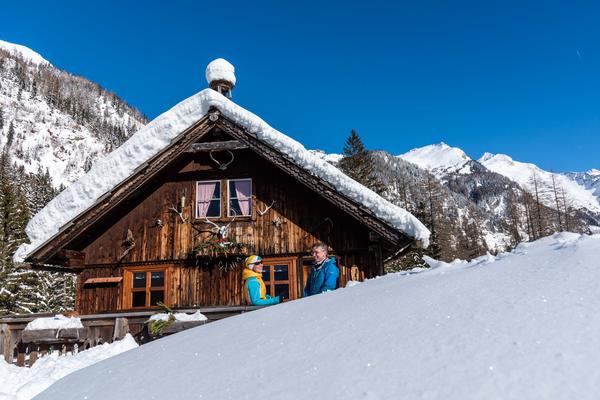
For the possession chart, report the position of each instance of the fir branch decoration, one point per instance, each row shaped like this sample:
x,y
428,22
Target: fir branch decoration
x,y
158,326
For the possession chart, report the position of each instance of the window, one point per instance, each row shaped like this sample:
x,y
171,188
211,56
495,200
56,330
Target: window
x,y
240,197
145,287
238,194
279,276
208,199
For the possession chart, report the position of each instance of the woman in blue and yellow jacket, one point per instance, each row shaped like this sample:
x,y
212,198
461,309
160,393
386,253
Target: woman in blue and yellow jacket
x,y
255,291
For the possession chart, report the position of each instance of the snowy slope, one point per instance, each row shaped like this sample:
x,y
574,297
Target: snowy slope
x,y
24,52
522,173
438,158
60,122
520,326
590,180
20,383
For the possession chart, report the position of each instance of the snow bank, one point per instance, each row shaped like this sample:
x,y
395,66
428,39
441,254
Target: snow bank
x,y
197,316
147,142
522,325
24,383
59,321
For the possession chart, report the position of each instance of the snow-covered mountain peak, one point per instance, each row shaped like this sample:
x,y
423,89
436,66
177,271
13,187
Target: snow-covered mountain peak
x,y
437,157
548,183
24,52
495,158
594,172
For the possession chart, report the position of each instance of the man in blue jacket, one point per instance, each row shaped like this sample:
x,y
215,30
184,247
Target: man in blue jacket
x,y
323,273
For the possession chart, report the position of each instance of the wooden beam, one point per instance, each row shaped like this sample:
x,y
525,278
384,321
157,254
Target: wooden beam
x,y
216,146
111,279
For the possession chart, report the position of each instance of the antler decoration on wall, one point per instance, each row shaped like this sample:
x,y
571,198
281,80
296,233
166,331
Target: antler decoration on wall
x,y
128,244
180,213
221,230
180,206
263,212
222,166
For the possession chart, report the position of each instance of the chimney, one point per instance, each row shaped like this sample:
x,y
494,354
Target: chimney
x,y
220,75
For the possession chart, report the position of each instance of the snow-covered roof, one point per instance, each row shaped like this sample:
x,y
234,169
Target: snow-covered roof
x,y
220,70
24,52
117,166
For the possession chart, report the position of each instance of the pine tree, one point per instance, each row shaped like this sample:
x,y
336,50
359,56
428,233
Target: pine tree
x,y
33,89
11,134
357,163
13,217
1,120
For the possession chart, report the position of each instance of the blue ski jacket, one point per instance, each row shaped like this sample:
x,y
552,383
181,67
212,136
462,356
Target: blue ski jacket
x,y
322,278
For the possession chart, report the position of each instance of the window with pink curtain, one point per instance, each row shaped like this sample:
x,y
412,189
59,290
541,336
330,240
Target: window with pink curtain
x,y
240,197
208,199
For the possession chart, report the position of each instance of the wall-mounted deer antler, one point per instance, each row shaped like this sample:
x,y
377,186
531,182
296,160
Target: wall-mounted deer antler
x,y
180,213
128,244
263,212
222,166
221,230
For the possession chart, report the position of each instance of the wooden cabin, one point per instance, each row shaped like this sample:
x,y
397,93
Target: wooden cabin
x,y
177,228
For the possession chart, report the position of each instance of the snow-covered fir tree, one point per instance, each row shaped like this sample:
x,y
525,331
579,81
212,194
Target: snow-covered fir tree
x,y
357,163
53,126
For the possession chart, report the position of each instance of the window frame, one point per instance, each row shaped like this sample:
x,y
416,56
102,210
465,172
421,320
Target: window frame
x,y
220,182
291,281
224,199
249,198
128,288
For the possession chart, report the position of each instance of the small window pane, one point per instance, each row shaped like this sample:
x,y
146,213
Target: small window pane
x,y
156,296
214,209
157,278
139,279
266,274
281,272
138,299
208,199
239,207
240,189
240,197
283,291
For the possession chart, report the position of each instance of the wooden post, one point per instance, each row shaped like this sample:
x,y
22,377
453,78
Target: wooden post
x,y
2,339
21,347
7,345
121,328
33,354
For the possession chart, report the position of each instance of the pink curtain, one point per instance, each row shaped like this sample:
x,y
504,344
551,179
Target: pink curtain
x,y
204,195
243,192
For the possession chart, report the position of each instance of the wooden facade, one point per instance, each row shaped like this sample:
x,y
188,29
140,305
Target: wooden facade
x,y
136,244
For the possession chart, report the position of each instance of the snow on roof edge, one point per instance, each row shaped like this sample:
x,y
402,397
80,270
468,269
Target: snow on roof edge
x,y
118,165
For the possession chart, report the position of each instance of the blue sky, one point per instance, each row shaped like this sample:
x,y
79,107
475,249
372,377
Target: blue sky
x,y
521,78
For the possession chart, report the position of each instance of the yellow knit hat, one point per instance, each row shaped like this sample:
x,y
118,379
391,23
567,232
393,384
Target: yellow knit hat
x,y
249,261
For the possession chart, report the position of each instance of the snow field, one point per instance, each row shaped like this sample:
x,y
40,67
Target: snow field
x,y
522,325
20,383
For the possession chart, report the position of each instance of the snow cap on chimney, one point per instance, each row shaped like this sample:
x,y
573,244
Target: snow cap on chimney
x,y
220,75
